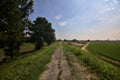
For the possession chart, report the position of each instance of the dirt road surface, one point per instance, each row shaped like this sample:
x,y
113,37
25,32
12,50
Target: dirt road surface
x,y
79,71
85,46
58,68
64,67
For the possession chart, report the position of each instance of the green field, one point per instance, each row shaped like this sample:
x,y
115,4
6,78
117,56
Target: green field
x,y
28,66
108,49
26,47
105,70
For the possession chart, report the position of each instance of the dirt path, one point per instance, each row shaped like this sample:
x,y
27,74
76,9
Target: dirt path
x,y
79,71
58,68
85,46
116,63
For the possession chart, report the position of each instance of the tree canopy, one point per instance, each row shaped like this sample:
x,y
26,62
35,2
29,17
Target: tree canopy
x,y
42,32
13,14
14,21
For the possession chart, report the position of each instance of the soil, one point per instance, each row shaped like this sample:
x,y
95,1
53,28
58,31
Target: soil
x,y
80,72
85,46
58,68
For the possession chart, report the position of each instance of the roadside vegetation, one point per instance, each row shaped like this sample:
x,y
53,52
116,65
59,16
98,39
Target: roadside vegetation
x,y
107,49
29,66
104,70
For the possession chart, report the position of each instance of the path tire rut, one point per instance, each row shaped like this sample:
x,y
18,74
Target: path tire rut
x,y
58,68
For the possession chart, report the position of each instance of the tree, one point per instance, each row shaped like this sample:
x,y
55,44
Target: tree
x,y
12,24
42,32
49,34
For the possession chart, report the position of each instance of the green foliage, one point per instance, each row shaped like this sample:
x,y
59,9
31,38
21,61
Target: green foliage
x,y
11,24
42,32
28,67
105,70
108,49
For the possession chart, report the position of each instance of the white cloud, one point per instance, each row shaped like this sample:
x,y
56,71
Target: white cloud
x,y
109,9
106,10
62,23
58,17
106,0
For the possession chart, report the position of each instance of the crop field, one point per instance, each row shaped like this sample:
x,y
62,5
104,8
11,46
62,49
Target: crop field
x,y
107,49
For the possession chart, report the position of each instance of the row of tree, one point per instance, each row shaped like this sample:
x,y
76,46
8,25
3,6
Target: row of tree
x,y
13,21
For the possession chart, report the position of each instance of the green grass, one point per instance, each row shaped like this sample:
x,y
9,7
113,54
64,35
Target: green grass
x,y
1,53
104,70
26,47
29,66
108,49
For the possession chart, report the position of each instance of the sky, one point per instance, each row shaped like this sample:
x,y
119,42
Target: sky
x,y
81,19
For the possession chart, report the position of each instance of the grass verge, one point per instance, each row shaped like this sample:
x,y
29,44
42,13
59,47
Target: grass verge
x,y
28,67
104,70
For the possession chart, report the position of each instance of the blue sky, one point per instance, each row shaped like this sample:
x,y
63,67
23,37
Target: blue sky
x,y
81,19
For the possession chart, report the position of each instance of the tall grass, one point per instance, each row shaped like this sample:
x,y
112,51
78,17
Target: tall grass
x,y
104,70
28,67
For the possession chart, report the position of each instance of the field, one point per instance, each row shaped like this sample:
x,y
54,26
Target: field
x,y
28,66
105,70
27,47
107,49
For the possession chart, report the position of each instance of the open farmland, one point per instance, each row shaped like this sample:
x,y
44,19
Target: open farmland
x,y
107,49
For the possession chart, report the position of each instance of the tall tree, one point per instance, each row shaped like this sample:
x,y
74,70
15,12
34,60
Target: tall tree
x,y
11,25
42,32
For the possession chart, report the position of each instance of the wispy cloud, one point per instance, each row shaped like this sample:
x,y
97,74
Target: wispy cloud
x,y
106,0
58,17
62,23
107,9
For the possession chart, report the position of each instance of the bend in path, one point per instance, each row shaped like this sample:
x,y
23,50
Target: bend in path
x,y
116,63
85,46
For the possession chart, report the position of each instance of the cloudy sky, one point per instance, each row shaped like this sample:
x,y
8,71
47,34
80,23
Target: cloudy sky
x,y
81,19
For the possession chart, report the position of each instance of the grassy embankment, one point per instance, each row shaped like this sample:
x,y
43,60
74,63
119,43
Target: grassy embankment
x,y
104,70
29,66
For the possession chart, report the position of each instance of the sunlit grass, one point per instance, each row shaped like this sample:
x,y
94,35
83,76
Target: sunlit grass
x,y
28,67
